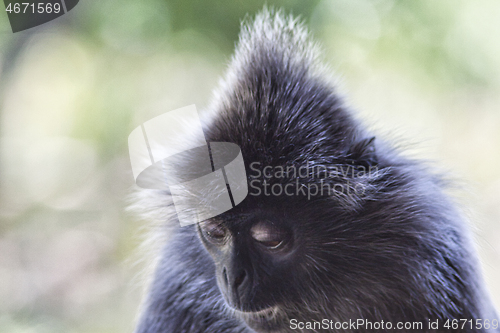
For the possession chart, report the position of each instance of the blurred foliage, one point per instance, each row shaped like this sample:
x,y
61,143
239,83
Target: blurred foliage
x,y
73,89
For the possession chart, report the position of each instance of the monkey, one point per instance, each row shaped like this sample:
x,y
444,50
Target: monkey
x,y
340,231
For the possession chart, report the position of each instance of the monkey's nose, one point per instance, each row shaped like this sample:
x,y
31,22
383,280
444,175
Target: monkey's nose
x,y
239,279
235,284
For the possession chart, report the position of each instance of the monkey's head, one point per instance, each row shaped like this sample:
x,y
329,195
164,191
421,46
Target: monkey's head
x,y
329,223
336,225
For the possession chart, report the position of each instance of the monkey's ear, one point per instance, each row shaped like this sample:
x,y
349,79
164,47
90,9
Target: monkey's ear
x,y
363,153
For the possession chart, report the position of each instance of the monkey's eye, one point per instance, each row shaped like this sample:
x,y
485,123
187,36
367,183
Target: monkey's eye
x,y
213,231
268,235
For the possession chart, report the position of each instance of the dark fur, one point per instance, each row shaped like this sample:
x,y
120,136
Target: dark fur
x,y
400,251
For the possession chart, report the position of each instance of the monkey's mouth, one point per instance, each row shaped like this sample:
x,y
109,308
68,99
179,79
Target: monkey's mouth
x,y
265,315
266,320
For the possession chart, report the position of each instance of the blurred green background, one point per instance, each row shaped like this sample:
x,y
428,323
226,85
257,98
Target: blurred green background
x,y
426,72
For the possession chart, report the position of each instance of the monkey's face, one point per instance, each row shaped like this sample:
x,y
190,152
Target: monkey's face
x,y
278,259
255,260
